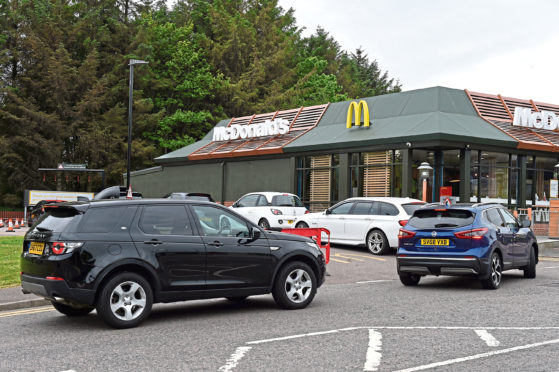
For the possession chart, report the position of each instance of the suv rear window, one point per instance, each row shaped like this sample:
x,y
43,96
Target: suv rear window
x,y
412,207
56,219
101,220
434,219
286,201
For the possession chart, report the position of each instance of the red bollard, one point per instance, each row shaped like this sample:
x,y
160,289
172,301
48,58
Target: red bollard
x,y
316,235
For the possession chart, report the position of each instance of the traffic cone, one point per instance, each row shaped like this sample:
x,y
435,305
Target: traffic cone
x,y
16,226
10,226
1,222
21,223
129,193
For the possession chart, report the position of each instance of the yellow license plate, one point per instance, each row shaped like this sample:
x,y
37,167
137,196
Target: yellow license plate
x,y
434,241
290,221
36,248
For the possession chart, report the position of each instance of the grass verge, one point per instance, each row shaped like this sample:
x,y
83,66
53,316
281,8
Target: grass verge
x,y
10,250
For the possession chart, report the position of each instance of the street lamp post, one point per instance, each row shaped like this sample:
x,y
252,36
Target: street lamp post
x,y
425,169
132,63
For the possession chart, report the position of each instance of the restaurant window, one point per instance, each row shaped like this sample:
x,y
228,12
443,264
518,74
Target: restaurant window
x,y
317,181
494,177
539,171
376,173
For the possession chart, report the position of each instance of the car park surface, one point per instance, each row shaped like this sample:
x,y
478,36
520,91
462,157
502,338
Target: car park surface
x,y
363,319
370,222
482,239
271,210
120,257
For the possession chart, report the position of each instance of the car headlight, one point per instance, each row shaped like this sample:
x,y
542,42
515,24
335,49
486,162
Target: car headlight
x,y
314,245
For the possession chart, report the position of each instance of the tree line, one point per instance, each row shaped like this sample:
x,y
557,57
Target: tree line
x,y
64,80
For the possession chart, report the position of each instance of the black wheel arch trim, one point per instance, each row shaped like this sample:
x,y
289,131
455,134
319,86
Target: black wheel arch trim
x,y
129,263
308,259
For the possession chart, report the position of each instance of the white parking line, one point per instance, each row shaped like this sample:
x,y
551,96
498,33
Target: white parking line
x,y
487,337
372,360
551,267
478,356
375,281
234,359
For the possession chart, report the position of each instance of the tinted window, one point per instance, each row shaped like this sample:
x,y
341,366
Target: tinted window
x,y
248,201
510,220
342,209
219,222
165,220
362,208
448,218
412,207
101,220
286,201
262,201
494,217
56,219
387,209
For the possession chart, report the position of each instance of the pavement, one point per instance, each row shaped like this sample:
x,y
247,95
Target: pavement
x,y
13,298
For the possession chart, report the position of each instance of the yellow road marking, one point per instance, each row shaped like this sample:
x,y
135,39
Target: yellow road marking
x,y
549,258
347,258
333,259
26,311
364,256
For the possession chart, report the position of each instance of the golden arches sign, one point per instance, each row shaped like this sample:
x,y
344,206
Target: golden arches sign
x,y
357,108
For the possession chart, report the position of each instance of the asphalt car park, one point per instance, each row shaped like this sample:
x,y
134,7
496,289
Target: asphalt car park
x,y
362,318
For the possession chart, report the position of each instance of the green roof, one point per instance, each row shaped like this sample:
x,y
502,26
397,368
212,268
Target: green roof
x,y
431,114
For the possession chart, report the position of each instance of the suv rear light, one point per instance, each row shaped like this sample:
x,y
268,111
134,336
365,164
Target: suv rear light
x,y
276,211
475,234
64,247
405,234
403,222
307,211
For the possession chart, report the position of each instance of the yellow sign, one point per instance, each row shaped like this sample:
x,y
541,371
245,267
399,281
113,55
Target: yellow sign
x,y
357,108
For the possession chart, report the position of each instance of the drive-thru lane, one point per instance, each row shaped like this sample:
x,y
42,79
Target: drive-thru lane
x,y
361,319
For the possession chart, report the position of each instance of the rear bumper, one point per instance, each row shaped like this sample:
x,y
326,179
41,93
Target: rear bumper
x,y
429,265
56,290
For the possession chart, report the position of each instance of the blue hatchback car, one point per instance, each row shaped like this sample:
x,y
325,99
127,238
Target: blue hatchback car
x,y
465,239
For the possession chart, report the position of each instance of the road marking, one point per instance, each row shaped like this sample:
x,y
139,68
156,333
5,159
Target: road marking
x,y
487,337
370,257
347,258
551,267
341,261
234,359
478,356
24,312
375,281
549,258
372,360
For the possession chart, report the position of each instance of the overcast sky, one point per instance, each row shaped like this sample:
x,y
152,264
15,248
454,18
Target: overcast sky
x,y
496,47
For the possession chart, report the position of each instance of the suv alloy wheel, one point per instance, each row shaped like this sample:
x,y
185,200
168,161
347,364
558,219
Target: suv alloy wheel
x,y
125,300
495,272
295,286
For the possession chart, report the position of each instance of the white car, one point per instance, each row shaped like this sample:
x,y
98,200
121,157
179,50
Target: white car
x,y
270,210
372,221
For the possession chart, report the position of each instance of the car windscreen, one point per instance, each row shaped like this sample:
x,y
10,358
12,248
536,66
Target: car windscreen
x,y
56,219
412,207
286,201
441,218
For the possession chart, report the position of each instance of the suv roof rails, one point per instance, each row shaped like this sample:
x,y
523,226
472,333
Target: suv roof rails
x,y
484,203
115,192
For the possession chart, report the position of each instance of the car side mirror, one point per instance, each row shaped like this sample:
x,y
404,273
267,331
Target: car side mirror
x,y
525,223
328,211
254,233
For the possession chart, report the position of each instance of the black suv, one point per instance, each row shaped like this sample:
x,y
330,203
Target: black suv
x,y
122,256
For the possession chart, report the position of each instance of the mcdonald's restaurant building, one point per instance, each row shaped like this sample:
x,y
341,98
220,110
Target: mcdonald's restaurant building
x,y
481,148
